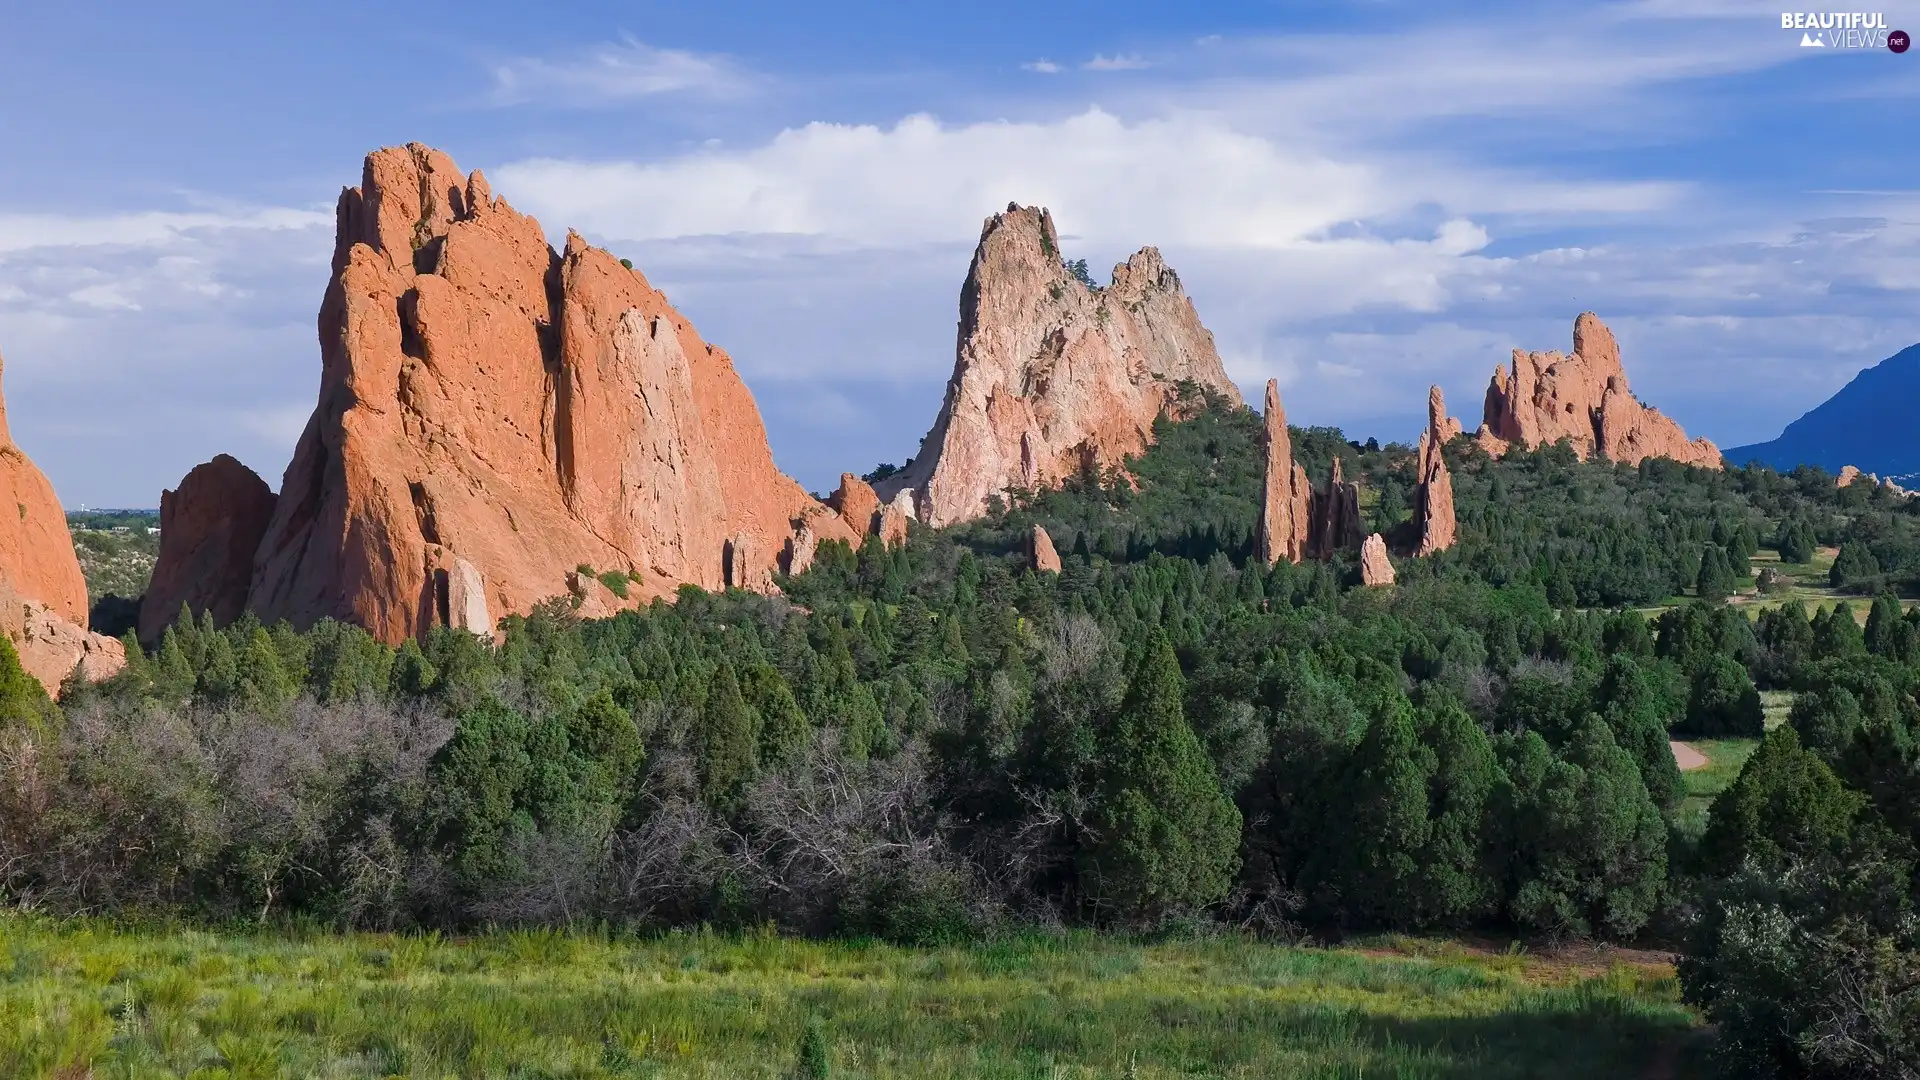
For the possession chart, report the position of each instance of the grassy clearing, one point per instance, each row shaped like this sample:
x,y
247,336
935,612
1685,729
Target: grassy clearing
x,y
90,999
1725,758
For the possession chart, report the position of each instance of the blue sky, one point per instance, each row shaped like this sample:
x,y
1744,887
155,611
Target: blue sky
x,y
1362,198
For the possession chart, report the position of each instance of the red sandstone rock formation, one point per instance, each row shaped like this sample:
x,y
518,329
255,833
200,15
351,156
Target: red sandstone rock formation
x,y
1051,376
865,515
51,646
494,413
1848,474
857,504
36,550
1285,494
1333,517
1583,398
1438,528
1375,567
210,526
43,595
1040,548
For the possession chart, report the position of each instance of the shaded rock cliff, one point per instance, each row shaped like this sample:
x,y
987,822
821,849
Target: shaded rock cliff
x,y
1051,376
210,527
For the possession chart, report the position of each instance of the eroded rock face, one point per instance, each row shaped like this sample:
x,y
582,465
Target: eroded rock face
x,y
1848,474
1375,567
1285,496
210,527
857,504
1438,528
1582,397
1040,548
492,410
36,550
862,512
801,547
51,646
1051,376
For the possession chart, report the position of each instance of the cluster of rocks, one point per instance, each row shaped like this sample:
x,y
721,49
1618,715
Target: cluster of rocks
x,y
1299,523
1583,398
499,423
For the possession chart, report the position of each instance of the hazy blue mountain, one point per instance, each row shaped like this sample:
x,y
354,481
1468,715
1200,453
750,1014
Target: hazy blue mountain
x,y
1872,423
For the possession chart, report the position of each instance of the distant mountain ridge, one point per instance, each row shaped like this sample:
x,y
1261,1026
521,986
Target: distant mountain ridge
x,y
1868,424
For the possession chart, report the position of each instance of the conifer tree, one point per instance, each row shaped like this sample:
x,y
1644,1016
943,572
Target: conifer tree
x,y
726,740
1167,837
1786,803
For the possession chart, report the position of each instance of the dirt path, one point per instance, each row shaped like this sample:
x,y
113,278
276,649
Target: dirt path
x,y
1687,757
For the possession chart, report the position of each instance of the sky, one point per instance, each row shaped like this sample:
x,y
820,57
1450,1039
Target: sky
x,y
1362,198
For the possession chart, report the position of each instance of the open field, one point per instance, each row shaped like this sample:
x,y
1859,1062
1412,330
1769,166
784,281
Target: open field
x,y
93,1000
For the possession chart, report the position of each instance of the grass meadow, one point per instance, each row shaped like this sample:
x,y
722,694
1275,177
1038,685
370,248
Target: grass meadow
x,y
93,999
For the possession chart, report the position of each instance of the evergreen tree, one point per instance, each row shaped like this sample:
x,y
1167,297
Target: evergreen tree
x,y
1715,581
1887,634
1785,804
1167,837
1373,854
1723,701
1636,706
726,740
1825,719
23,701
1854,568
1587,845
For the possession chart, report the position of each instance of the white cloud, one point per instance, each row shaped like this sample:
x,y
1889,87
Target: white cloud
x,y
608,74
1179,180
1116,62
1043,65
24,231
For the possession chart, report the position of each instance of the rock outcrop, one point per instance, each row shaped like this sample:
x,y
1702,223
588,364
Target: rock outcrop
x,y
1583,398
43,595
51,646
862,512
1438,528
491,410
1040,549
1285,495
210,527
801,547
1848,474
1375,567
1333,517
1051,376
36,550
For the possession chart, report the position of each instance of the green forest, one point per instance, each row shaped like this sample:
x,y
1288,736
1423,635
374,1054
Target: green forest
x,y
936,746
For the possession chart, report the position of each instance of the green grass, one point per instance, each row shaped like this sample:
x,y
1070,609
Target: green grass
x,y
82,999
1725,759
